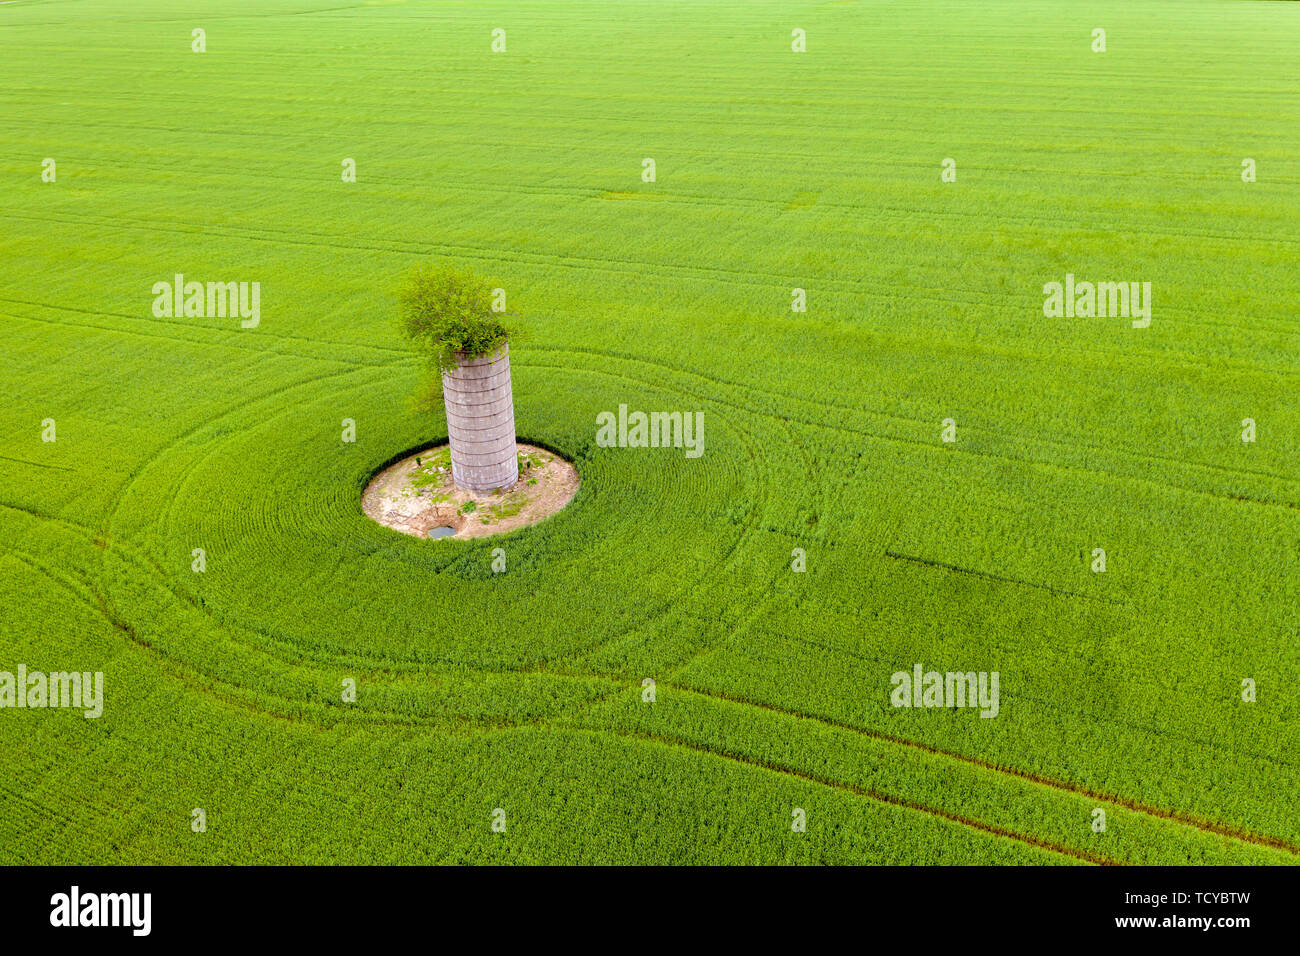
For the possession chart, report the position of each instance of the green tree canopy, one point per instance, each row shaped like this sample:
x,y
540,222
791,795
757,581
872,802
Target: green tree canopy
x,y
447,313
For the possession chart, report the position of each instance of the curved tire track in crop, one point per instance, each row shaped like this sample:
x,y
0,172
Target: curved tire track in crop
x,y
1213,827
986,829
853,410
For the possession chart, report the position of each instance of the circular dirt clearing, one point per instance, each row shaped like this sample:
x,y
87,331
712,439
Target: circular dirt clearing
x,y
416,495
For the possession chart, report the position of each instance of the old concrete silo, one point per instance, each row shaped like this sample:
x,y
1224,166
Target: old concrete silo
x,y
481,422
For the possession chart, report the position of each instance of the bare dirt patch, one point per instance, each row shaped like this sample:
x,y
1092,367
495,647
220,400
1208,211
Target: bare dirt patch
x,y
417,495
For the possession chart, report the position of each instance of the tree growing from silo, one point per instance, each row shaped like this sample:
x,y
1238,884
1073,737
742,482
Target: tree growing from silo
x,y
448,314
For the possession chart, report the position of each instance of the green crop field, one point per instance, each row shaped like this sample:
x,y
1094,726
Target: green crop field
x,y
921,467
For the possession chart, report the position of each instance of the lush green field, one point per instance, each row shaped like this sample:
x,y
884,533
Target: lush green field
x,y
775,170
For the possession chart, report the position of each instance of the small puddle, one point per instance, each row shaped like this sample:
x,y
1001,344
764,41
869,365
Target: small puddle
x,y
443,532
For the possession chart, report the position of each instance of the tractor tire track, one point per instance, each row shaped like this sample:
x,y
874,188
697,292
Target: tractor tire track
x,y
986,829
1216,828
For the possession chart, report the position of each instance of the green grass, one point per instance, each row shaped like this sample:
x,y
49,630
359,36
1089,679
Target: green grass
x,y
508,509
523,690
431,470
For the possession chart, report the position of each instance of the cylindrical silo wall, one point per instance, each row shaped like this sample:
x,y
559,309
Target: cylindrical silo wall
x,y
481,422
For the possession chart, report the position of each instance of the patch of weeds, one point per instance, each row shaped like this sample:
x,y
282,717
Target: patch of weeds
x,y
529,461
468,507
508,509
433,470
